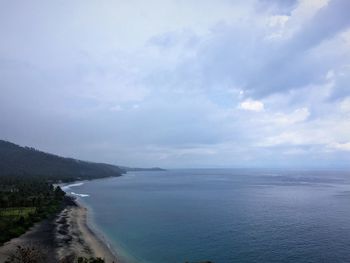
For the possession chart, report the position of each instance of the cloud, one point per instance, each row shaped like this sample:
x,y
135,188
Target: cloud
x,y
345,105
292,64
188,83
252,105
298,115
340,146
277,6
116,108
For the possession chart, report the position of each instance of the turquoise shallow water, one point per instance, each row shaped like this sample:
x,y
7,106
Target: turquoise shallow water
x,y
224,215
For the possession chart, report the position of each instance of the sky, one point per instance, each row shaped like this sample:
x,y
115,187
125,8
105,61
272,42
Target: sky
x,y
179,83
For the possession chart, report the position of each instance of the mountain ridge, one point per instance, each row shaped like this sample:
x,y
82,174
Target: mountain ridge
x,y
27,161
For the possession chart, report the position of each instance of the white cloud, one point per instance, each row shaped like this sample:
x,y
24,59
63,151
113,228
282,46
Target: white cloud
x,y
299,115
116,108
345,105
305,10
340,146
184,69
252,105
277,24
278,20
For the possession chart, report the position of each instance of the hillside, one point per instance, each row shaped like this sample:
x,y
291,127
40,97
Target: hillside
x,y
25,161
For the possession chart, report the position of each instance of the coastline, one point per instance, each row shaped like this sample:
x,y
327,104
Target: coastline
x,y
75,238
115,250
67,236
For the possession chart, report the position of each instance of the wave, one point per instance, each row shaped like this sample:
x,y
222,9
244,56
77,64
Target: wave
x,y
68,186
80,195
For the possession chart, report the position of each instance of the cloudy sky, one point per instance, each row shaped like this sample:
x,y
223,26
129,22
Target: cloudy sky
x,y
179,83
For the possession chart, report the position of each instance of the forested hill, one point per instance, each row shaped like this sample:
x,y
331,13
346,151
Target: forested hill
x,y
25,161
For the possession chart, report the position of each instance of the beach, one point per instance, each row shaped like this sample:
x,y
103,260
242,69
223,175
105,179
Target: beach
x,y
62,238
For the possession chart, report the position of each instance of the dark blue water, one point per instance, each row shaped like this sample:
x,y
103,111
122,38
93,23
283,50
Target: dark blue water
x,y
225,215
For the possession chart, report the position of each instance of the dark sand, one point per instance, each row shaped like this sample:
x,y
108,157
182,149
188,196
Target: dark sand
x,y
63,237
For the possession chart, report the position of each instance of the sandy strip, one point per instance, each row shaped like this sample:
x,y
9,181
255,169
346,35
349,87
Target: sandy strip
x,y
63,238
74,237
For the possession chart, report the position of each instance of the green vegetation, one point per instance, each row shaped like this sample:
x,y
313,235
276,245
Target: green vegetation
x,y
24,201
25,161
35,255
17,211
27,194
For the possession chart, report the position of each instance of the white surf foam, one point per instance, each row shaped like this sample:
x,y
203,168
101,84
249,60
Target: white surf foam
x,y
68,186
80,195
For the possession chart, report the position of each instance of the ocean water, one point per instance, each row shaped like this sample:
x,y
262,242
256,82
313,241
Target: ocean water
x,y
223,215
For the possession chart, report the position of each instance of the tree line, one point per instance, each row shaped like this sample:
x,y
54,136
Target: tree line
x,y
24,201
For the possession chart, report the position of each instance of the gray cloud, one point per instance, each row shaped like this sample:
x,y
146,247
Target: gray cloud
x,y
277,6
290,64
87,81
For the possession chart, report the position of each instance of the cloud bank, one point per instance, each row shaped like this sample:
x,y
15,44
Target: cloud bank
x,y
179,83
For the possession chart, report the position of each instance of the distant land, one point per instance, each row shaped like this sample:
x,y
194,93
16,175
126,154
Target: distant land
x,y
27,161
130,169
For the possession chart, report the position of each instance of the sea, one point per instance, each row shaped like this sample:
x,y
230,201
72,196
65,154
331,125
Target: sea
x,y
222,215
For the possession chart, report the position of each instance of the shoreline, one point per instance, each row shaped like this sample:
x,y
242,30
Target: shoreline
x,y
67,235
72,224
117,251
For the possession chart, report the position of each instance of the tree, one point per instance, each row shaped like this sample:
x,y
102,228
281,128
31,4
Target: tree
x,y
26,255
